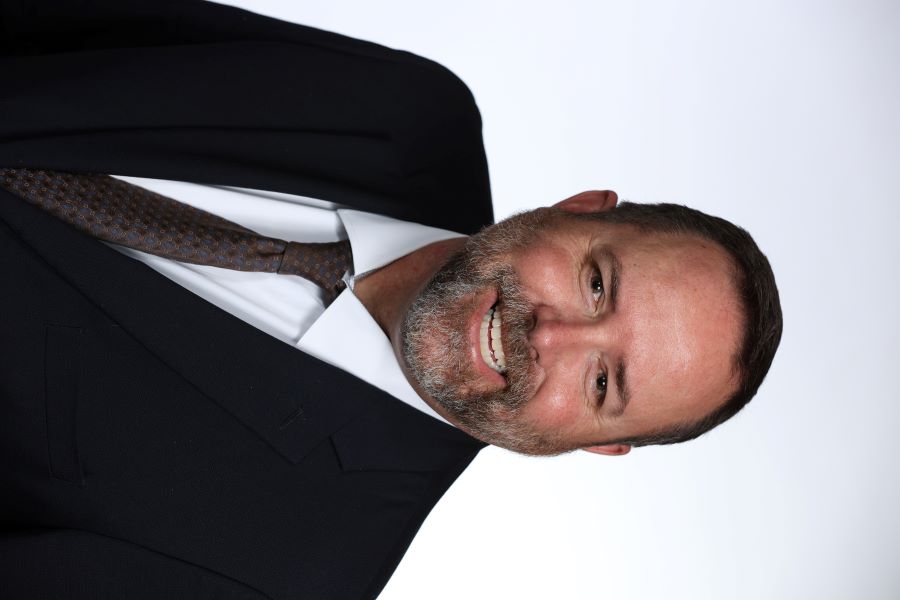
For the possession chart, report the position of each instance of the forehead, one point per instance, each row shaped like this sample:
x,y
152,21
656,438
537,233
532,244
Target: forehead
x,y
683,322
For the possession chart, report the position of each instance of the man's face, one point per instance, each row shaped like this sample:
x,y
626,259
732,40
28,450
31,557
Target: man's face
x,y
548,333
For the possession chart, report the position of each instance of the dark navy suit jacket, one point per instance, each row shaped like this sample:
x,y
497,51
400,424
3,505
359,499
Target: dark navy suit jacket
x,y
152,445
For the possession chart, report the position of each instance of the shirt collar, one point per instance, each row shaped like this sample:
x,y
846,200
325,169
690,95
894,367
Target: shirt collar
x,y
378,240
346,335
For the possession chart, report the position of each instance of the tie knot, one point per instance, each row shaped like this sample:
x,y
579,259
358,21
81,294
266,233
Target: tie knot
x,y
322,263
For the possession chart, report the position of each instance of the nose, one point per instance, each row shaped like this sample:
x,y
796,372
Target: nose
x,y
556,335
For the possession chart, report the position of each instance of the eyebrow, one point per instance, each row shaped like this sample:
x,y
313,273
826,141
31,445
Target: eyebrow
x,y
614,267
621,382
621,390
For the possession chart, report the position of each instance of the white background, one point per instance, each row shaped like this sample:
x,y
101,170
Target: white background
x,y
781,116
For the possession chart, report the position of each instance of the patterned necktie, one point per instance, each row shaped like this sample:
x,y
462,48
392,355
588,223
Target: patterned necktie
x,y
119,212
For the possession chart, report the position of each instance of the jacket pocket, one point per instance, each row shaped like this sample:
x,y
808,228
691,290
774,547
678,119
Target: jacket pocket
x,y
62,356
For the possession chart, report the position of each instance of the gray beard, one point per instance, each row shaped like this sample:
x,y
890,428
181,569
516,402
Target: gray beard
x,y
435,341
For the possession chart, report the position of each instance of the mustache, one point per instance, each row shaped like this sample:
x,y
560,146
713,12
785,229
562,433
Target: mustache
x,y
517,321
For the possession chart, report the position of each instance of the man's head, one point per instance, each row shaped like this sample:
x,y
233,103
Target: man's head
x,y
598,327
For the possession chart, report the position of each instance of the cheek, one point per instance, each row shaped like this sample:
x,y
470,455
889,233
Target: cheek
x,y
545,275
555,407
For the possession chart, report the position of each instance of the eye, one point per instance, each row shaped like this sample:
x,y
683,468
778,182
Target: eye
x,y
601,387
597,286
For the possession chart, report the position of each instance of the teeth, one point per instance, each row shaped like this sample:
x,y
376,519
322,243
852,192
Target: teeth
x,y
491,341
496,338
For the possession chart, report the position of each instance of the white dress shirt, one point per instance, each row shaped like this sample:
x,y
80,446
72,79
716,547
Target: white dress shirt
x,y
291,308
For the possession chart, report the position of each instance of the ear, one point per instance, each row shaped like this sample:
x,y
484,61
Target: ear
x,y
609,449
591,201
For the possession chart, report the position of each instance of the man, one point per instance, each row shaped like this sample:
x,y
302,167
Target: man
x,y
163,440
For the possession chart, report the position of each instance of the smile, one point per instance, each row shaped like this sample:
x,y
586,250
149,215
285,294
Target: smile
x,y
491,339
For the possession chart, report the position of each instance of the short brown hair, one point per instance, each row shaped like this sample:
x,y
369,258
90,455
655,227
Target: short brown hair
x,y
757,294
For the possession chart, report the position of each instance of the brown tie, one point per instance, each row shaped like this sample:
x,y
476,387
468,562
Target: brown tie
x,y
119,212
